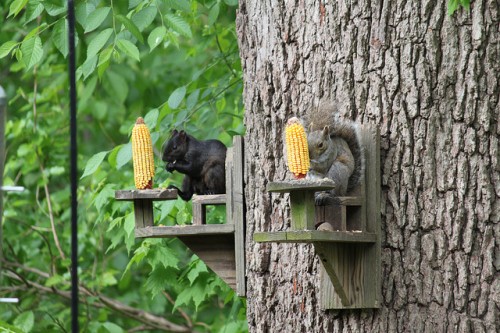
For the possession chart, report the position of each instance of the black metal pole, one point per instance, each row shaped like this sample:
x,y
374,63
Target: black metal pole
x,y
73,168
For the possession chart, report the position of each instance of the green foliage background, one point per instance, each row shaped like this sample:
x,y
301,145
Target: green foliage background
x,y
174,62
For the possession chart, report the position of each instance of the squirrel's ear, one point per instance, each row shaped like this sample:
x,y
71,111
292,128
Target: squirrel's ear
x,y
174,132
326,131
182,134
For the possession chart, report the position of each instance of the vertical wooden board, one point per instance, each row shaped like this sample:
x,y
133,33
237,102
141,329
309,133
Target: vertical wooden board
x,y
238,214
303,210
348,262
143,212
229,186
198,213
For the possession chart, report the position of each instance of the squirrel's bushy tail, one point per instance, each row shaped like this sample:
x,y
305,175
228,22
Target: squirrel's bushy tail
x,y
349,131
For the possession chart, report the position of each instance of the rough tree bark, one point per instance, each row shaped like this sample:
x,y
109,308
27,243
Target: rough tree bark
x,y
432,84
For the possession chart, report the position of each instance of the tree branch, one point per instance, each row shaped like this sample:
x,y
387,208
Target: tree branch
x,y
149,319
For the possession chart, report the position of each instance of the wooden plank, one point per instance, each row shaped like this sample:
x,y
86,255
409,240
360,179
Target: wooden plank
x,y
212,199
143,213
300,184
327,258
154,194
350,201
237,205
371,141
229,185
199,214
311,236
302,210
357,265
184,230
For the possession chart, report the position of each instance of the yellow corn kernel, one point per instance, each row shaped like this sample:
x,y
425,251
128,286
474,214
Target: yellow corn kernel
x,y
297,149
142,155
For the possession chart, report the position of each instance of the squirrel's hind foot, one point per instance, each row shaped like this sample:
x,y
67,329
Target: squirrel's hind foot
x,y
325,199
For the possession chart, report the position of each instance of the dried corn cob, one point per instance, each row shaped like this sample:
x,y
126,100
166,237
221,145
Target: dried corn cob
x,y
142,155
297,149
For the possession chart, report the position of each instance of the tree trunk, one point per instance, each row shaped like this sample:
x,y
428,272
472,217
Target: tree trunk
x,y
431,82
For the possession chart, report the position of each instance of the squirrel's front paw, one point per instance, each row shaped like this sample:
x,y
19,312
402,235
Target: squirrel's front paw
x,y
170,167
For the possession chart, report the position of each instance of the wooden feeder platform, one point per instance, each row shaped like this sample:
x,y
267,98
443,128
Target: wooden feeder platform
x,y
220,246
350,254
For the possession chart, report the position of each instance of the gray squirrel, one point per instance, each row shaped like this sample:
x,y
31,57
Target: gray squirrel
x,y
335,152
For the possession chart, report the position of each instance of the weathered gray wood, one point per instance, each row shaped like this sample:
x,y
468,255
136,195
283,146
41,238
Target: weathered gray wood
x,y
286,186
217,252
184,230
357,266
229,185
153,194
200,203
237,204
143,213
212,199
310,236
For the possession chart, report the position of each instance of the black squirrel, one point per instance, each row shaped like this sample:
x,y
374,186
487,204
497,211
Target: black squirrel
x,y
202,162
335,152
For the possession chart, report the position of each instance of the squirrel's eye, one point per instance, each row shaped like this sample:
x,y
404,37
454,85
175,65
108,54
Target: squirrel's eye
x,y
174,147
320,145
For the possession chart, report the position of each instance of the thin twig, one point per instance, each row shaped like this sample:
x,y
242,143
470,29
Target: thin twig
x,y
183,314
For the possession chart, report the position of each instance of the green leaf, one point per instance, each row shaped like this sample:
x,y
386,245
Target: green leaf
x,y
151,118
124,155
105,55
198,268
6,48
162,255
98,42
16,6
112,328
32,51
178,24
60,36
192,99
88,66
82,11
93,163
130,26
95,18
115,85
33,10
183,5
144,17
452,6
129,224
159,279
129,49
54,280
55,7
25,321
176,97
231,2
103,197
213,14
9,328
156,37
